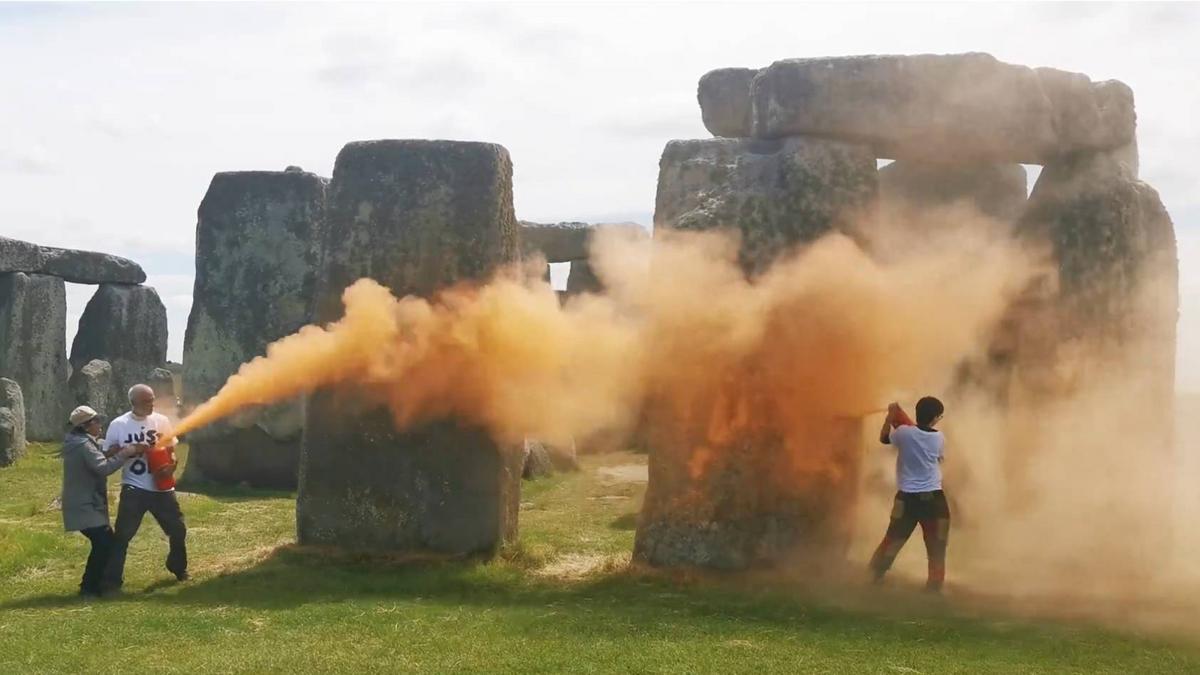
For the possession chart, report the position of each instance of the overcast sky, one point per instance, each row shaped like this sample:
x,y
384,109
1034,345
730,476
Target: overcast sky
x,y
113,118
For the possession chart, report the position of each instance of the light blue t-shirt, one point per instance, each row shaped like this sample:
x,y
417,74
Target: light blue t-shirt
x,y
918,454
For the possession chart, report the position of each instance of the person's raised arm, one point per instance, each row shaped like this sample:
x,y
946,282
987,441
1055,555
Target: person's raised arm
x,y
885,432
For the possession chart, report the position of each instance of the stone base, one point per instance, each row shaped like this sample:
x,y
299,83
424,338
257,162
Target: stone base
x,y
441,488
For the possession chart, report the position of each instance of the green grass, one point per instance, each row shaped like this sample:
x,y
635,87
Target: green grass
x,y
563,599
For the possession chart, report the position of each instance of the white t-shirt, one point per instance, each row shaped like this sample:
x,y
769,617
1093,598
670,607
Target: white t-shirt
x,y
918,454
130,430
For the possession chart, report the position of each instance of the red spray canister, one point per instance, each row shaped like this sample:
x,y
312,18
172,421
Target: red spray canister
x,y
157,458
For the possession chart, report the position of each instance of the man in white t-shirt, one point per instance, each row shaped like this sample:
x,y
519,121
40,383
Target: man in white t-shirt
x,y
919,499
142,428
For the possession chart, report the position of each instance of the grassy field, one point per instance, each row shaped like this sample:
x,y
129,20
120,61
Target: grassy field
x,y
564,599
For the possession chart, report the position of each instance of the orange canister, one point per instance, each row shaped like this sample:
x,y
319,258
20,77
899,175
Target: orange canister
x,y
157,458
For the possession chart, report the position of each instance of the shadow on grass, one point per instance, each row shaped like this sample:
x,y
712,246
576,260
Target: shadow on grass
x,y
625,523
233,493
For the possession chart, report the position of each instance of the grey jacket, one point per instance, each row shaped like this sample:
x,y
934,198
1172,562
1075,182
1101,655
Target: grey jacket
x,y
85,492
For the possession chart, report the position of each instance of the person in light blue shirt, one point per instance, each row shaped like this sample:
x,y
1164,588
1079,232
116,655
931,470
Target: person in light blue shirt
x,y
919,497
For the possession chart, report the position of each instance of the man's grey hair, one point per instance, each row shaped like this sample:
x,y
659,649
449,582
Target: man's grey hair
x,y
139,387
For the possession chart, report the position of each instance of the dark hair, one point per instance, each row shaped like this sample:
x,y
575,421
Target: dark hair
x,y
928,408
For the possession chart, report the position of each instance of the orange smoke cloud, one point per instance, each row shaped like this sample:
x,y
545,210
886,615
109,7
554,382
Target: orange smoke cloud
x,y
827,332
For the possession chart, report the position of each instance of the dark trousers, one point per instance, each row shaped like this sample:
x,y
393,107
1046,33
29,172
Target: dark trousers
x,y
930,510
135,502
102,545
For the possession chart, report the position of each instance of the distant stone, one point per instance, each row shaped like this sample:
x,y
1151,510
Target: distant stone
x,y
12,446
995,190
724,96
775,194
12,422
127,327
258,237
92,385
558,242
33,317
537,460
582,279
81,267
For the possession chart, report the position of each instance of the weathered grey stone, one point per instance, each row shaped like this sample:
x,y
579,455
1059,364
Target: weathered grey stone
x,y
777,194
557,242
92,385
537,462
12,422
258,237
162,381
415,216
995,190
1111,238
582,278
9,438
957,107
33,318
127,327
1088,116
81,267
724,96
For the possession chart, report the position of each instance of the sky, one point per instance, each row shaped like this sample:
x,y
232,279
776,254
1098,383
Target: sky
x,y
114,117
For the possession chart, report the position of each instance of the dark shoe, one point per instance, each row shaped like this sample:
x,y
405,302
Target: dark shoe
x,y
182,576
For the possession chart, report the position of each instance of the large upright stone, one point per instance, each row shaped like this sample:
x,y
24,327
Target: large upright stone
x,y
33,336
777,194
728,488
12,422
81,267
127,327
957,107
1118,270
995,190
416,216
258,237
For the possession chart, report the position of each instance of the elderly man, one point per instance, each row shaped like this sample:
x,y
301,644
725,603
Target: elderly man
x,y
141,428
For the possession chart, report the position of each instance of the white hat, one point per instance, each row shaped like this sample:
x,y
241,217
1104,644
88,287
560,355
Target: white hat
x,y
83,415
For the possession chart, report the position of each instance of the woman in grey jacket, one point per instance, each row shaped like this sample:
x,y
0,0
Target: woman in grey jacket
x,y
85,492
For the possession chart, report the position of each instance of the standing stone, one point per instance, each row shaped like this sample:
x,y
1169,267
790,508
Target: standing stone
x,y
957,107
258,236
416,216
724,96
33,329
777,194
127,327
92,385
725,487
12,422
995,190
1118,270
